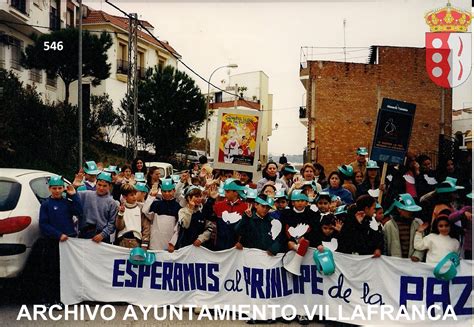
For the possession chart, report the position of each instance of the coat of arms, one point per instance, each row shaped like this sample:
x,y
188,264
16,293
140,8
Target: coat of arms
x,y
448,46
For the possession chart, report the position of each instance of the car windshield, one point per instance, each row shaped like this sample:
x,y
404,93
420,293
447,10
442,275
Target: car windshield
x,y
162,172
9,195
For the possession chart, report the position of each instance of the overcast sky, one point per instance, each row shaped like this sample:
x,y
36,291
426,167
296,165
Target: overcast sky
x,y
268,36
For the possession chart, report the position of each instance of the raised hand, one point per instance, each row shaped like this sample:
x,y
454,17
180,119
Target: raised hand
x,y
248,211
360,216
422,227
122,207
70,190
197,243
338,225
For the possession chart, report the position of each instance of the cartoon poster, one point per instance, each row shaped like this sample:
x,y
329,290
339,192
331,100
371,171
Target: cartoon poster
x,y
237,146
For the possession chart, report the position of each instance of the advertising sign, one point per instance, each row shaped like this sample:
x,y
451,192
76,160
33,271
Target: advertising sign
x,y
393,130
237,140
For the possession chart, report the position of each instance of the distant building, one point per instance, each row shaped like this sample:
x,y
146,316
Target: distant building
x,y
462,127
343,100
253,90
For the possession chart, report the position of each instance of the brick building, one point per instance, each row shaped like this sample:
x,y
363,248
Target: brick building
x,y
343,99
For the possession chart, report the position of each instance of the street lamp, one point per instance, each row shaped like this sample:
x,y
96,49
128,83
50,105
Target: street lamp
x,y
207,100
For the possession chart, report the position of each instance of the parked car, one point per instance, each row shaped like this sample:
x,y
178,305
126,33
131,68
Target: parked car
x,y
192,155
21,193
166,169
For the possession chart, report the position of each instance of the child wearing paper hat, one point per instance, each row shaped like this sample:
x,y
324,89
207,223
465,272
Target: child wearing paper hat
x,y
100,210
399,231
132,226
162,212
257,229
56,225
225,214
90,173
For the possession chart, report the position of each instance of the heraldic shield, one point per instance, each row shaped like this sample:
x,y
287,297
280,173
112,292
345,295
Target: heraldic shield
x,y
448,58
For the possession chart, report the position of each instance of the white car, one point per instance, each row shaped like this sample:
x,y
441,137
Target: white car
x,y
21,194
166,169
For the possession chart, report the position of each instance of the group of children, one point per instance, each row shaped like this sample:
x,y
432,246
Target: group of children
x,y
168,214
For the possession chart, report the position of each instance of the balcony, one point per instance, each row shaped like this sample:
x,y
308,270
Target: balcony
x,y
19,5
36,75
122,68
303,117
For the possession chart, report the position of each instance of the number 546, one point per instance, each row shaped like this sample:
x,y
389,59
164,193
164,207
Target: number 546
x,y
53,45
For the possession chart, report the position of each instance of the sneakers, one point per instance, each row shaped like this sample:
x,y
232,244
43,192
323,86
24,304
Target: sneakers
x,y
302,320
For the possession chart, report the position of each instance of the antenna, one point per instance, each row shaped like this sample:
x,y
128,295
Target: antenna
x,y
344,28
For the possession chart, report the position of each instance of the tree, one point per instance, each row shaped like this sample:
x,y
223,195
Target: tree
x,y
62,58
170,108
102,121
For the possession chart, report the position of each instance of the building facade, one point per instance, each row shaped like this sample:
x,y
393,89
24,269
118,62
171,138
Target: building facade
x,y
21,18
253,91
343,100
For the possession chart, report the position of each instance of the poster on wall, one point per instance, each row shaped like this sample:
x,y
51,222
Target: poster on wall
x,y
237,139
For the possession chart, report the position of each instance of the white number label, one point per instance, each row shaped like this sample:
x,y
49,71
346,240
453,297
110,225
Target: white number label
x,y
55,46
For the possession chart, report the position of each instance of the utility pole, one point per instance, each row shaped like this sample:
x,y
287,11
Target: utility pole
x,y
132,90
344,27
79,88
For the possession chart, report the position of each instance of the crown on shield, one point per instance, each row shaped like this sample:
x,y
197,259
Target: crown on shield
x,y
448,19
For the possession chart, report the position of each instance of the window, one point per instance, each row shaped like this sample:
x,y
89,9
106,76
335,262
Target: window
x,y
122,63
69,18
2,55
19,5
51,80
39,186
36,75
9,195
54,22
17,47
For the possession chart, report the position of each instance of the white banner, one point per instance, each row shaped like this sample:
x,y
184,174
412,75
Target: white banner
x,y
361,289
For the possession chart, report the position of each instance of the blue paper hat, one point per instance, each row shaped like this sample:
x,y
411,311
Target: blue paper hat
x,y
377,206
221,192
112,170
167,184
269,202
469,195
230,184
104,176
371,164
452,271
454,181
56,180
251,193
142,187
140,257
346,170
290,169
324,261
81,188
90,168
297,195
323,194
341,210
280,194
140,177
310,183
362,151
446,187
404,202
175,178
191,188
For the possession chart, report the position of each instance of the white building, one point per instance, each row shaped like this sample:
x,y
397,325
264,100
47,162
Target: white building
x,y
150,54
462,126
18,20
253,89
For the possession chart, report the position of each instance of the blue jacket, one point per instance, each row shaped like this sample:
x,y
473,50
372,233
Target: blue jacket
x,y
341,192
55,216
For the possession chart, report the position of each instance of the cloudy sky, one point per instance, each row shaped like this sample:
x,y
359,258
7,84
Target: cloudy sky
x,y
268,36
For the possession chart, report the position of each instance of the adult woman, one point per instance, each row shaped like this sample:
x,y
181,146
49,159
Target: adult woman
x,y
309,174
138,165
358,178
335,188
270,173
153,176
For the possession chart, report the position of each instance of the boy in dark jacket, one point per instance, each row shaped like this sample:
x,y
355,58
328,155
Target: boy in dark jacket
x,y
57,225
257,229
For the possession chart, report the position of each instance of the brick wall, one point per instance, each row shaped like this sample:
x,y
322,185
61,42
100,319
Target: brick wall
x,y
347,99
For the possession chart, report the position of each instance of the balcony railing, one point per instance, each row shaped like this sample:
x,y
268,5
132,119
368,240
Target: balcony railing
x,y
303,112
36,75
122,68
15,64
19,5
51,81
